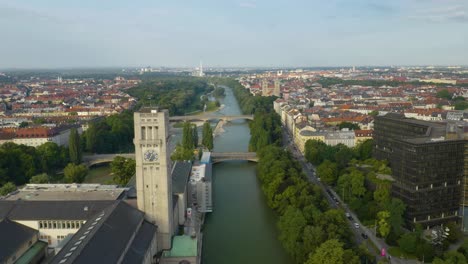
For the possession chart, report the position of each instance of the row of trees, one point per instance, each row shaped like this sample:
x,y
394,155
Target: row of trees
x,y
265,130
310,231
249,104
186,149
18,163
316,152
111,134
178,95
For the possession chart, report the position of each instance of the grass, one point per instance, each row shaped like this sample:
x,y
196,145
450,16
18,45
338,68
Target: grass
x,y
396,251
101,174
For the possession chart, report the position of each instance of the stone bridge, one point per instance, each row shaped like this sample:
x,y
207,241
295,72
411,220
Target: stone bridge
x,y
90,160
229,156
216,157
208,117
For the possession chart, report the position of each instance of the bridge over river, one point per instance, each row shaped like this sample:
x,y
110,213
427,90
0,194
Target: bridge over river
x,y
209,117
216,157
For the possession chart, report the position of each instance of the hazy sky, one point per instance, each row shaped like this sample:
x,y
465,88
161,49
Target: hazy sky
x,y
97,33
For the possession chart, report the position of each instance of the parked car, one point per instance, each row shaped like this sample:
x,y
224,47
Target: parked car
x,y
348,215
364,236
356,225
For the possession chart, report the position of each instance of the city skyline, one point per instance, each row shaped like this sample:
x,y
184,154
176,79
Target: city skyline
x,y
233,33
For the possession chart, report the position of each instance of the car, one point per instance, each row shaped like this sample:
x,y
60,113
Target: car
x,y
348,215
356,225
364,236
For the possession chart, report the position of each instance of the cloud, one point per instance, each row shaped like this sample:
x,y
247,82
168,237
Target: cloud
x,y
442,14
382,8
248,5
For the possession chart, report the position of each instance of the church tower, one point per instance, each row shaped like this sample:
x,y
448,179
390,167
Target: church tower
x,y
277,89
153,174
265,87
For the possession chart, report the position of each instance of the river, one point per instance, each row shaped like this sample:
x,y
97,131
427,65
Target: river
x,y
242,228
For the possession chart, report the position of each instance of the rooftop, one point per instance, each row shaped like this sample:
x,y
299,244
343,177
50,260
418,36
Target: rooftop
x,y
67,192
17,235
180,173
182,246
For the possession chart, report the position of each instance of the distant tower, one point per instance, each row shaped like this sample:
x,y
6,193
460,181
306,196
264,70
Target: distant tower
x,y
59,79
354,69
153,178
277,89
201,74
265,87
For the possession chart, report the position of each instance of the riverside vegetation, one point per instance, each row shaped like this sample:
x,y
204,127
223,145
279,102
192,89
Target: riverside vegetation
x,y
309,230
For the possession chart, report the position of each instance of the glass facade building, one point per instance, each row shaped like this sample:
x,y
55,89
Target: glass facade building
x,y
427,162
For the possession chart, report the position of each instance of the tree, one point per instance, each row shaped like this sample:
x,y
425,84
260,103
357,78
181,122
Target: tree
x,y
181,153
75,173
382,194
207,136
187,136
51,157
329,252
74,146
328,172
91,138
349,125
343,155
374,113
444,93
40,178
408,243
219,92
382,221
451,257
195,135
364,149
461,105
313,237
314,150
396,207
23,124
7,188
290,225
123,169
356,183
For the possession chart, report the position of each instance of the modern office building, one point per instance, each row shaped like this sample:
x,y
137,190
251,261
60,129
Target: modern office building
x,y
427,162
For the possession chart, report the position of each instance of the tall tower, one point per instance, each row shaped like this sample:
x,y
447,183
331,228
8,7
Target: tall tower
x,y
265,87
277,89
153,178
201,74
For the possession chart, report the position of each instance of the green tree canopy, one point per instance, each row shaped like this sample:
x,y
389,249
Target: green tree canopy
x,y
329,252
445,94
349,125
328,172
75,173
207,136
74,146
7,188
383,225
123,169
40,178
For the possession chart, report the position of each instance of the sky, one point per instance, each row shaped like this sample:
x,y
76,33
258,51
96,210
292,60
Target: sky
x,y
226,33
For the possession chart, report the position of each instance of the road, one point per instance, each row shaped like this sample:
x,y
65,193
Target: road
x,y
335,202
